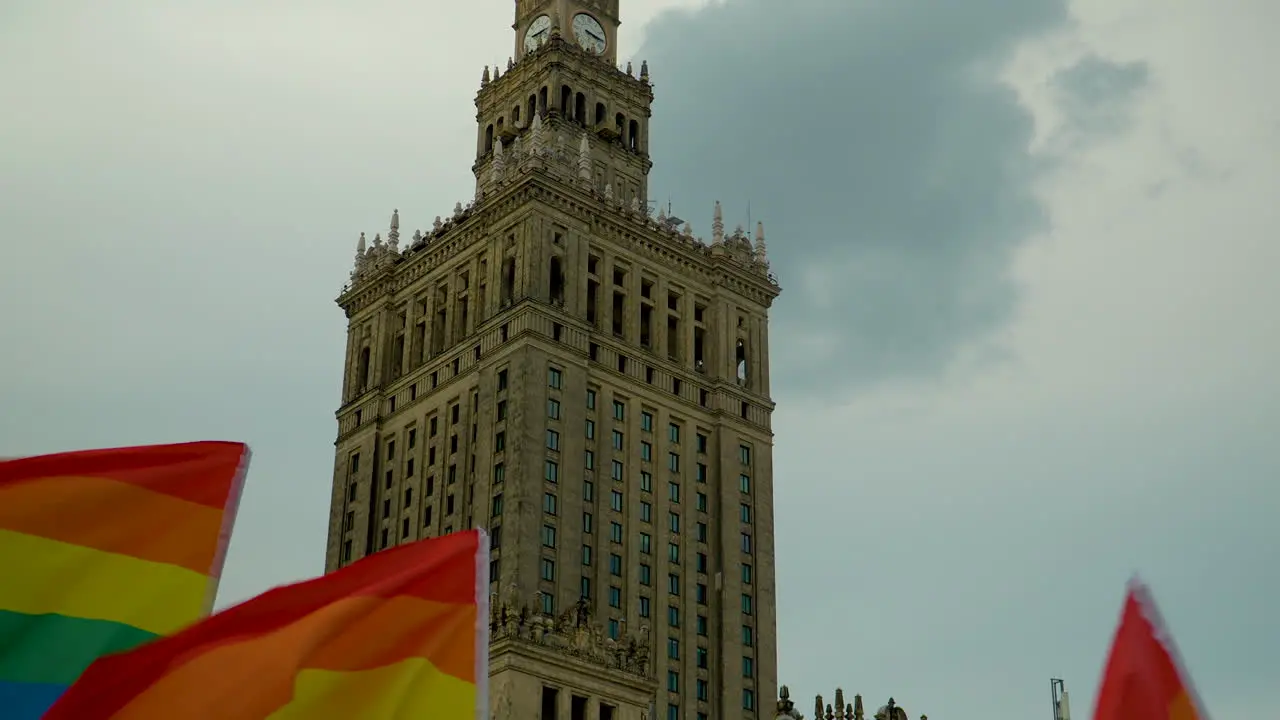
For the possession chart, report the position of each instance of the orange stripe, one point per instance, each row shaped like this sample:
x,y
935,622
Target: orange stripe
x,y
114,517
205,473
254,678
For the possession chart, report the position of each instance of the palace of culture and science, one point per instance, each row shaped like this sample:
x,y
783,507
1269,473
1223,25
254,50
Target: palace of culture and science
x,y
558,363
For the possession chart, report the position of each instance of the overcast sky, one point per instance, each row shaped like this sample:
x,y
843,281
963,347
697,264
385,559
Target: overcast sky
x,y
1027,345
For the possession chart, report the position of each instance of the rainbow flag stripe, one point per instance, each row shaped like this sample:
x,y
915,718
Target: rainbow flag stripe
x,y
399,634
103,550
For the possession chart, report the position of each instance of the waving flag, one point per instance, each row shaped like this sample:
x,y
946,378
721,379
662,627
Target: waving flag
x,y
402,633
1143,679
102,550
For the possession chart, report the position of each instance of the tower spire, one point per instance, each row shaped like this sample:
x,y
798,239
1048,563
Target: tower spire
x,y
717,226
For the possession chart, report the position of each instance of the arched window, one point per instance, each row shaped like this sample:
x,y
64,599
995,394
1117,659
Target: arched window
x,y
633,141
580,109
488,138
557,281
566,100
515,115
620,124
740,355
362,373
533,106
600,114
542,101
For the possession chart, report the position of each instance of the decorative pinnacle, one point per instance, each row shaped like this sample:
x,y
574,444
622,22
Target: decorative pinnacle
x,y
484,79
584,159
644,70
395,219
717,226
360,245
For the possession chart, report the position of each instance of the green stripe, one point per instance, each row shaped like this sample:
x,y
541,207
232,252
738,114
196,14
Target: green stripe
x,y
56,648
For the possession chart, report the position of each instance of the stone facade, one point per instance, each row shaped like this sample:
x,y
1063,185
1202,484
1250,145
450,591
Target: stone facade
x,y
561,364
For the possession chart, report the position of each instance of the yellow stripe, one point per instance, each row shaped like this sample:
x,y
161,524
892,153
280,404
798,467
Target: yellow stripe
x,y
40,576
408,689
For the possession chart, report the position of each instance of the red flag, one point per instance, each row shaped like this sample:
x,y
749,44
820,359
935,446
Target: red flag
x,y
401,633
1143,679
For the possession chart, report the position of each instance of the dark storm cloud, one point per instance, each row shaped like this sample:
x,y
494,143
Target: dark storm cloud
x,y
889,164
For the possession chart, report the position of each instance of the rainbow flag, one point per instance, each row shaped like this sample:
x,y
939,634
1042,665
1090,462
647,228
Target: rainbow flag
x,y
399,634
103,550
1144,679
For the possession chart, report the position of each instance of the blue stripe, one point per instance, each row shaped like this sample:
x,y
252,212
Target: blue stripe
x,y
27,701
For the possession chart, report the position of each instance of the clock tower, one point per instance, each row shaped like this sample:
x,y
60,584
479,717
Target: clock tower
x,y
572,369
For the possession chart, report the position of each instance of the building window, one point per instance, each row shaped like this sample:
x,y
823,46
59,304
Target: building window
x,y
586,554
701,654
673,491
589,460
673,648
615,501
619,410
646,421
673,462
615,532
585,588
501,413
748,666
703,689
591,429
700,593
552,471
548,536
673,520
701,533
700,502
554,378
586,522
615,564
646,543
646,575
746,543
673,584
553,409
549,503
591,399
646,512
497,505
548,604
588,491
744,454
673,681
617,440
673,712
553,440
615,629
673,616
615,470
744,484
748,637
702,625
746,574
548,569
744,513
644,606
701,473
746,604
646,452
673,553
748,699
615,597
502,380
673,433
646,481
701,563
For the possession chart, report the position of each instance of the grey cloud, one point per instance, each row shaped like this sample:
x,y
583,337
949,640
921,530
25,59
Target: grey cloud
x,y
1095,94
889,164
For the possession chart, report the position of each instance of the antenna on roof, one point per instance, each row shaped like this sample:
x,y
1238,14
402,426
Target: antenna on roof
x,y
748,215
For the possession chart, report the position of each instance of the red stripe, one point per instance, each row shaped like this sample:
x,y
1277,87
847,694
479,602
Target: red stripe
x,y
200,472
441,570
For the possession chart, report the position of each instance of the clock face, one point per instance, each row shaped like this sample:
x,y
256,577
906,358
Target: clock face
x,y
589,34
537,34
